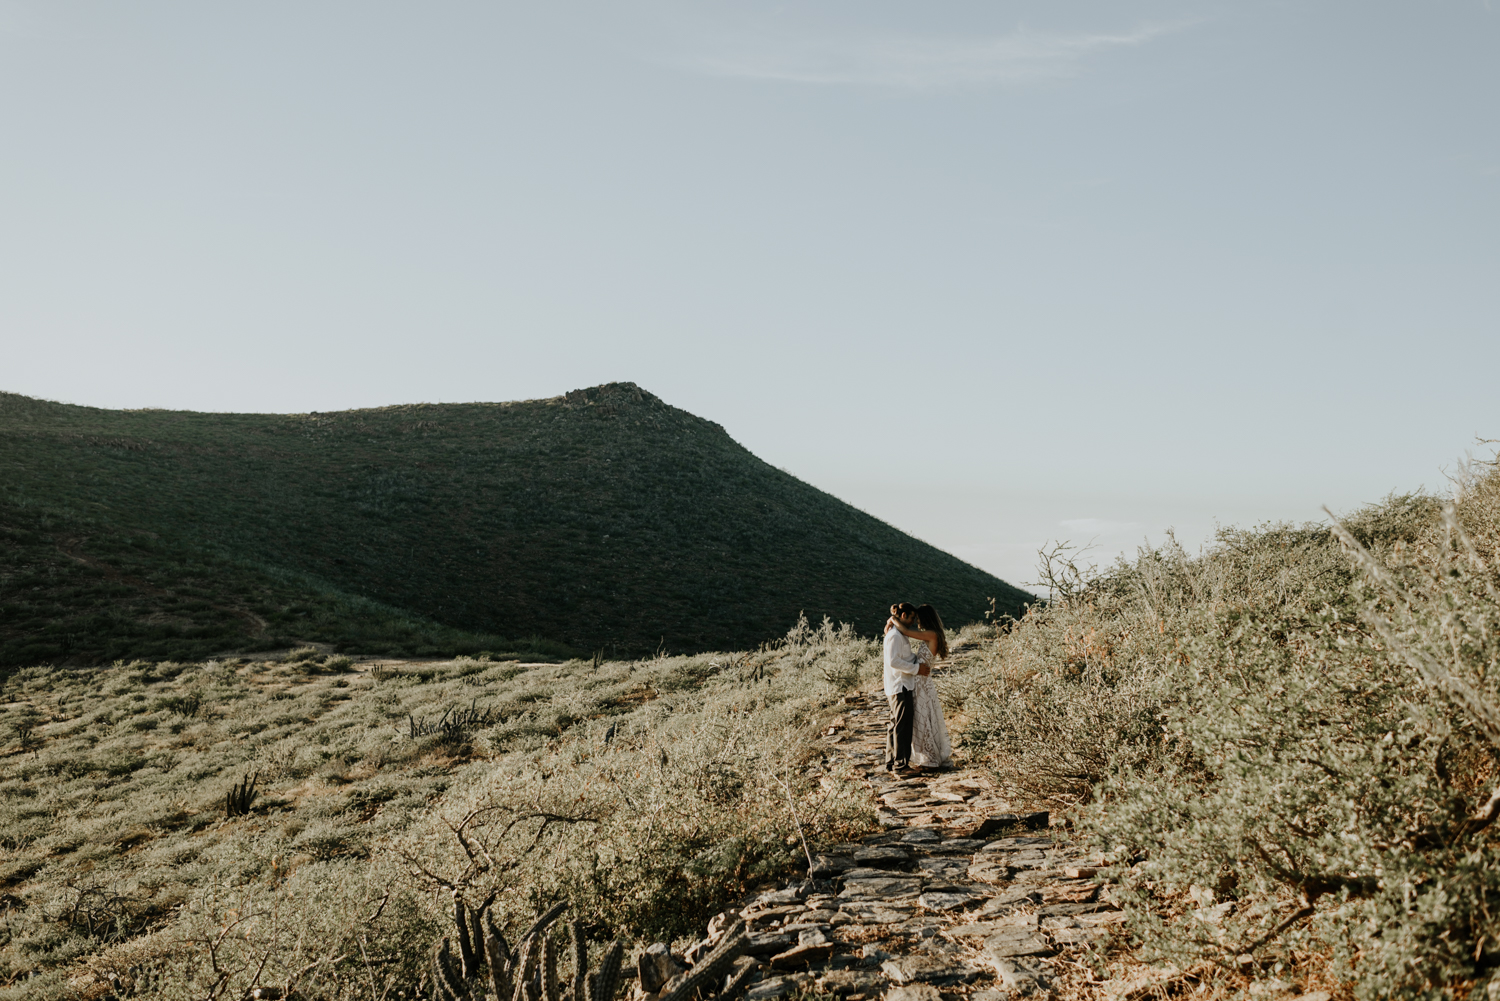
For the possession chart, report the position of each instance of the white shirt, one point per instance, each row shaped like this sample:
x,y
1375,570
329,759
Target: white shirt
x,y
901,665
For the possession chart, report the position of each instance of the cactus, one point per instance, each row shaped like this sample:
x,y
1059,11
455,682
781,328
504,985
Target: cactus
x,y
603,985
497,955
737,982
447,983
530,972
580,961
550,989
237,801
711,969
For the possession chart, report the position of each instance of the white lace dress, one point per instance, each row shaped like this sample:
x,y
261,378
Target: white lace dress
x,y
930,746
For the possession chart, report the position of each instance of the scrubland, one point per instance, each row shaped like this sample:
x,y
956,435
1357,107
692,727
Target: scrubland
x,y
1286,745
1283,748
648,793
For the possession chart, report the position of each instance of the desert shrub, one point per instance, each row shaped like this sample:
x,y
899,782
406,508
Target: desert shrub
x,y
680,772
1287,743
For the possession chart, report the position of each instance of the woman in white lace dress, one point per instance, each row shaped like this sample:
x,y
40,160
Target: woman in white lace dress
x,y
930,747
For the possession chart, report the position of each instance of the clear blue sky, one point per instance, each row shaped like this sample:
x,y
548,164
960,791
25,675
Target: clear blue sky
x,y
1095,269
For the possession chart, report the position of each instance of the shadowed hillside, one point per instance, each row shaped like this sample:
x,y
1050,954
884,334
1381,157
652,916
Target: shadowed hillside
x,y
602,519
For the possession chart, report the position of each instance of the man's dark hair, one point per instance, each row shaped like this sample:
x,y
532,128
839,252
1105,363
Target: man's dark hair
x,y
902,609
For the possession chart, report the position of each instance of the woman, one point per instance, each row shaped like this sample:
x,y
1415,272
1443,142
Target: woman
x,y
930,747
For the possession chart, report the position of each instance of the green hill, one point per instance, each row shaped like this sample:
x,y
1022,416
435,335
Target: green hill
x,y
601,519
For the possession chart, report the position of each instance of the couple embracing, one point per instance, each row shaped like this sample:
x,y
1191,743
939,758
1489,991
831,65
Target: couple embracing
x,y
916,736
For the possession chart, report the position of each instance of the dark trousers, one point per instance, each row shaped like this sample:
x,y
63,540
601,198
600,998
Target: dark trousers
x,y
898,730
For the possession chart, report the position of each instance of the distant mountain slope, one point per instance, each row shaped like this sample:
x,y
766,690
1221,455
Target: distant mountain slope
x,y
602,519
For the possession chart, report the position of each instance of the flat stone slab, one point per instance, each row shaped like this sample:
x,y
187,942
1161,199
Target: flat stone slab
x,y
830,865
769,944
954,846
1016,844
889,888
948,900
871,913
946,868
917,968
1069,910
882,856
800,957
984,929
921,836
775,987
1021,942
989,871
1014,976
1070,894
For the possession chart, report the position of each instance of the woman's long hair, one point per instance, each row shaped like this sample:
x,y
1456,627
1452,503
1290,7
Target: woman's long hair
x,y
929,620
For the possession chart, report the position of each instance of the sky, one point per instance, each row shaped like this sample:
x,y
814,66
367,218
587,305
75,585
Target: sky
x,y
1002,274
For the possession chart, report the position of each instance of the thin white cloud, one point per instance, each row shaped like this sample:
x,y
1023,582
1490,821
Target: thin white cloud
x,y
1021,56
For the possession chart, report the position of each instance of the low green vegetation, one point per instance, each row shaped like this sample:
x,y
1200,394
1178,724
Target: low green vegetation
x,y
648,793
604,519
1286,745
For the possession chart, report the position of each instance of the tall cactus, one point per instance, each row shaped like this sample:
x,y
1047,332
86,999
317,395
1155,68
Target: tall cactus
x,y
447,983
550,989
580,960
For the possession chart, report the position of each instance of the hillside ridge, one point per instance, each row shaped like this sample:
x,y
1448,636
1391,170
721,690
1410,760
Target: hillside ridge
x,y
601,518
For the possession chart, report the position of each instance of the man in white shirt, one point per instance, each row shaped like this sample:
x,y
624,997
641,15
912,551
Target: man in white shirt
x,y
901,671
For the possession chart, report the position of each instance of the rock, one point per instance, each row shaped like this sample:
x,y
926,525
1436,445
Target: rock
x,y
1019,942
979,827
1017,844
1314,996
954,846
1076,936
1055,910
656,967
882,856
775,987
976,929
943,868
913,992
812,919
921,836
841,982
948,900
825,866
888,838
989,871
889,888
910,969
719,924
1081,872
873,913
761,915
1014,976
791,895
769,943
1065,894
800,957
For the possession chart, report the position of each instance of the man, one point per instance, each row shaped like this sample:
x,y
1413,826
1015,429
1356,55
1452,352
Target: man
x,y
901,672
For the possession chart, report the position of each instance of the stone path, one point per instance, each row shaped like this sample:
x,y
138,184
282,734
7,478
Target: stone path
x,y
960,896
